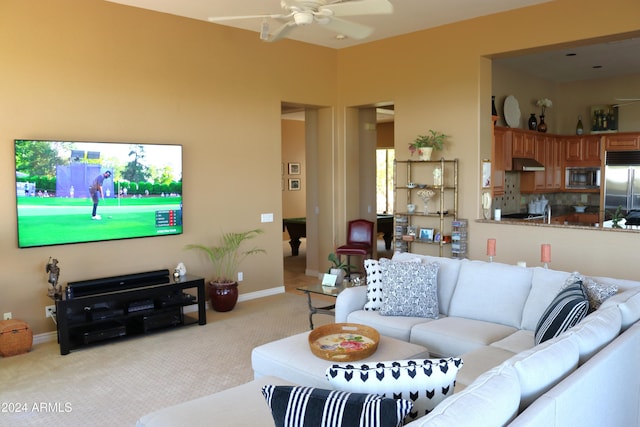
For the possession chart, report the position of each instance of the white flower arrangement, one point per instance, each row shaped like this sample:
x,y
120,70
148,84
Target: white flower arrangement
x,y
544,103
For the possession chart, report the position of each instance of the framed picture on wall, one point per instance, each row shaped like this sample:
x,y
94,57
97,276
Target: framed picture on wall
x,y
294,184
294,168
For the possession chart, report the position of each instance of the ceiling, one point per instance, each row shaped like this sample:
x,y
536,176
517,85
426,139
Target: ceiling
x,y
604,59
409,15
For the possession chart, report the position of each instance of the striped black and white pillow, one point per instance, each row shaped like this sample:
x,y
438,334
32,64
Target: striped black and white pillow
x,y
568,308
297,406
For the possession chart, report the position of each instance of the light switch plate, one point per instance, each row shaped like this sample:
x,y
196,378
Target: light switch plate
x,y
266,217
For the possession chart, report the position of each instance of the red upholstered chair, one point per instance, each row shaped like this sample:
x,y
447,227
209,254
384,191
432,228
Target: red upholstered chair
x,y
359,241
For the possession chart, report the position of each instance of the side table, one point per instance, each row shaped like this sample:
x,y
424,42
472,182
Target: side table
x,y
331,291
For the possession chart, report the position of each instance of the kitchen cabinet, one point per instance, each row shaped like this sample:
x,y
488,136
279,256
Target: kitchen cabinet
x,y
524,144
548,151
622,142
501,159
582,150
585,218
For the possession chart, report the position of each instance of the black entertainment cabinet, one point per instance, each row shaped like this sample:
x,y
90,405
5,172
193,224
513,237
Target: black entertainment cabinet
x,y
112,307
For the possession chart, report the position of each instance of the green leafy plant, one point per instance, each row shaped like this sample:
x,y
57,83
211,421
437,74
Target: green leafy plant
x,y
434,139
616,217
227,256
337,264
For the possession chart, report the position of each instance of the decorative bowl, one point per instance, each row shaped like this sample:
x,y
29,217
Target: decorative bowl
x,y
343,342
411,185
580,209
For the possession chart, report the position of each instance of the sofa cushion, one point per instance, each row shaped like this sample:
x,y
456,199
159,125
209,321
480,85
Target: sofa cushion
x,y
447,275
568,308
491,292
374,285
542,367
391,326
492,400
628,302
516,342
479,361
424,382
410,289
545,285
313,407
238,406
596,331
453,336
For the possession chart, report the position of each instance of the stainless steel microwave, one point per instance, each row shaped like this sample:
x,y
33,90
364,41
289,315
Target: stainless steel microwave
x,y
582,178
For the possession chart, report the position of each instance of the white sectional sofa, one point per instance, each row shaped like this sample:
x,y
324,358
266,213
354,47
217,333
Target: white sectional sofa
x,y
586,376
488,314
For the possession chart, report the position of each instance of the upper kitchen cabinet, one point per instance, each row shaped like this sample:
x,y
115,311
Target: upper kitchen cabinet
x,y
501,155
582,150
622,142
524,144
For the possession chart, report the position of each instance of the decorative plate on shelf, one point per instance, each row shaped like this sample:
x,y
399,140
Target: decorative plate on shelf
x,y
343,342
512,111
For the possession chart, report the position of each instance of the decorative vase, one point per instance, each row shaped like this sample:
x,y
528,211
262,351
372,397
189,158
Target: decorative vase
x,y
340,273
533,123
542,126
425,153
223,296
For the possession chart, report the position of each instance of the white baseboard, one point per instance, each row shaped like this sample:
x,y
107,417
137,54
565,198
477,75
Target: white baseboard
x,y
53,335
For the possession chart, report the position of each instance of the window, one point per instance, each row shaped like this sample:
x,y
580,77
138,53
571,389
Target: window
x,y
384,180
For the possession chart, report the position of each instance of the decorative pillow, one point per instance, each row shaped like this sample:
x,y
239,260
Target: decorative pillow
x,y
296,406
568,308
410,289
374,285
597,293
425,382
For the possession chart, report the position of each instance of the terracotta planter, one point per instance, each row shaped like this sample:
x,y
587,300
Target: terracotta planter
x,y
223,296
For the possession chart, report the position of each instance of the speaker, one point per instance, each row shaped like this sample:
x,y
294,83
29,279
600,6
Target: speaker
x,y
116,283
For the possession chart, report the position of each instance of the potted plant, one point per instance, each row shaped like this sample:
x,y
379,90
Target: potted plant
x,y
425,144
226,259
339,268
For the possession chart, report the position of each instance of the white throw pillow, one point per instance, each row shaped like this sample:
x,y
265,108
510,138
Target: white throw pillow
x,y
425,382
374,285
410,289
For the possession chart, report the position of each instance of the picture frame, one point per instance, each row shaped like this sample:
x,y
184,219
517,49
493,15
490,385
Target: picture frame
x,y
294,184
437,237
294,168
426,234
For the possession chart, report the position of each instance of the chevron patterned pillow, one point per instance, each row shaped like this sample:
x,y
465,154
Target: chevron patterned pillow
x,y
424,382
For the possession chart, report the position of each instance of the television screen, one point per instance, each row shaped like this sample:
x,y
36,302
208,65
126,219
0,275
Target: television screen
x,y
73,192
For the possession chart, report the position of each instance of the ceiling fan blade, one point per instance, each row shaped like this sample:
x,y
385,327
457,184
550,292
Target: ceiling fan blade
x,y
283,31
233,18
348,28
359,7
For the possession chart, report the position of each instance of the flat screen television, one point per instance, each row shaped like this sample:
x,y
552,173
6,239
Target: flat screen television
x,y
75,192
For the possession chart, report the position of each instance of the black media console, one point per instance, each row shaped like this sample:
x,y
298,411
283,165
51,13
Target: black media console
x,y
112,307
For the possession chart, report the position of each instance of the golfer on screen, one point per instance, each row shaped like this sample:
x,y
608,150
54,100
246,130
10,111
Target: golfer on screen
x,y
96,193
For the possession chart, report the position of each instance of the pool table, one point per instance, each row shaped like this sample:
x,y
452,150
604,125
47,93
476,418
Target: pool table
x,y
297,228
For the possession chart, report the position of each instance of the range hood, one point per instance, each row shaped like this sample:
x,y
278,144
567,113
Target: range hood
x,y
527,165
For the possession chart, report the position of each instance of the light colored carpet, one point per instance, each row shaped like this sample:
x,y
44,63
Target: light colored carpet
x,y
113,384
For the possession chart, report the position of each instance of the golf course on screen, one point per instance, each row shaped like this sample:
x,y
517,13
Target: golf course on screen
x,y
58,220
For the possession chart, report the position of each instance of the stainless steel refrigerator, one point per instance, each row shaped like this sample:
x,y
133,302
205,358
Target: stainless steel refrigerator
x,y
622,181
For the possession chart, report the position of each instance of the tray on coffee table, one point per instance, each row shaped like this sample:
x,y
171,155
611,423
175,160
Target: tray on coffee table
x,y
343,342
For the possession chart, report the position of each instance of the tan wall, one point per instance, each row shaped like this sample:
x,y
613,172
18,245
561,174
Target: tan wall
x,y
93,70
437,79
293,143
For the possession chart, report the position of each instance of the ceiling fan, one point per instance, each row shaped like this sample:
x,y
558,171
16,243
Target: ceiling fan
x,y
626,101
327,13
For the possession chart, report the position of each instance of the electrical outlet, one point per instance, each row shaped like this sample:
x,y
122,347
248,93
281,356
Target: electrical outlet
x,y
50,311
240,276
7,316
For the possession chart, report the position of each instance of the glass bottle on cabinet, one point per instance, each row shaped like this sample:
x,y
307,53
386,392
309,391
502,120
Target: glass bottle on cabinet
x,y
426,200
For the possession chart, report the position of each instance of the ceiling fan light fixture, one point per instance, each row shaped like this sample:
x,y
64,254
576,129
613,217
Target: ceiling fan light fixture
x,y
303,18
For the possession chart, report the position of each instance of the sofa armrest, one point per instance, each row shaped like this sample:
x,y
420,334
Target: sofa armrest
x,y
351,299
